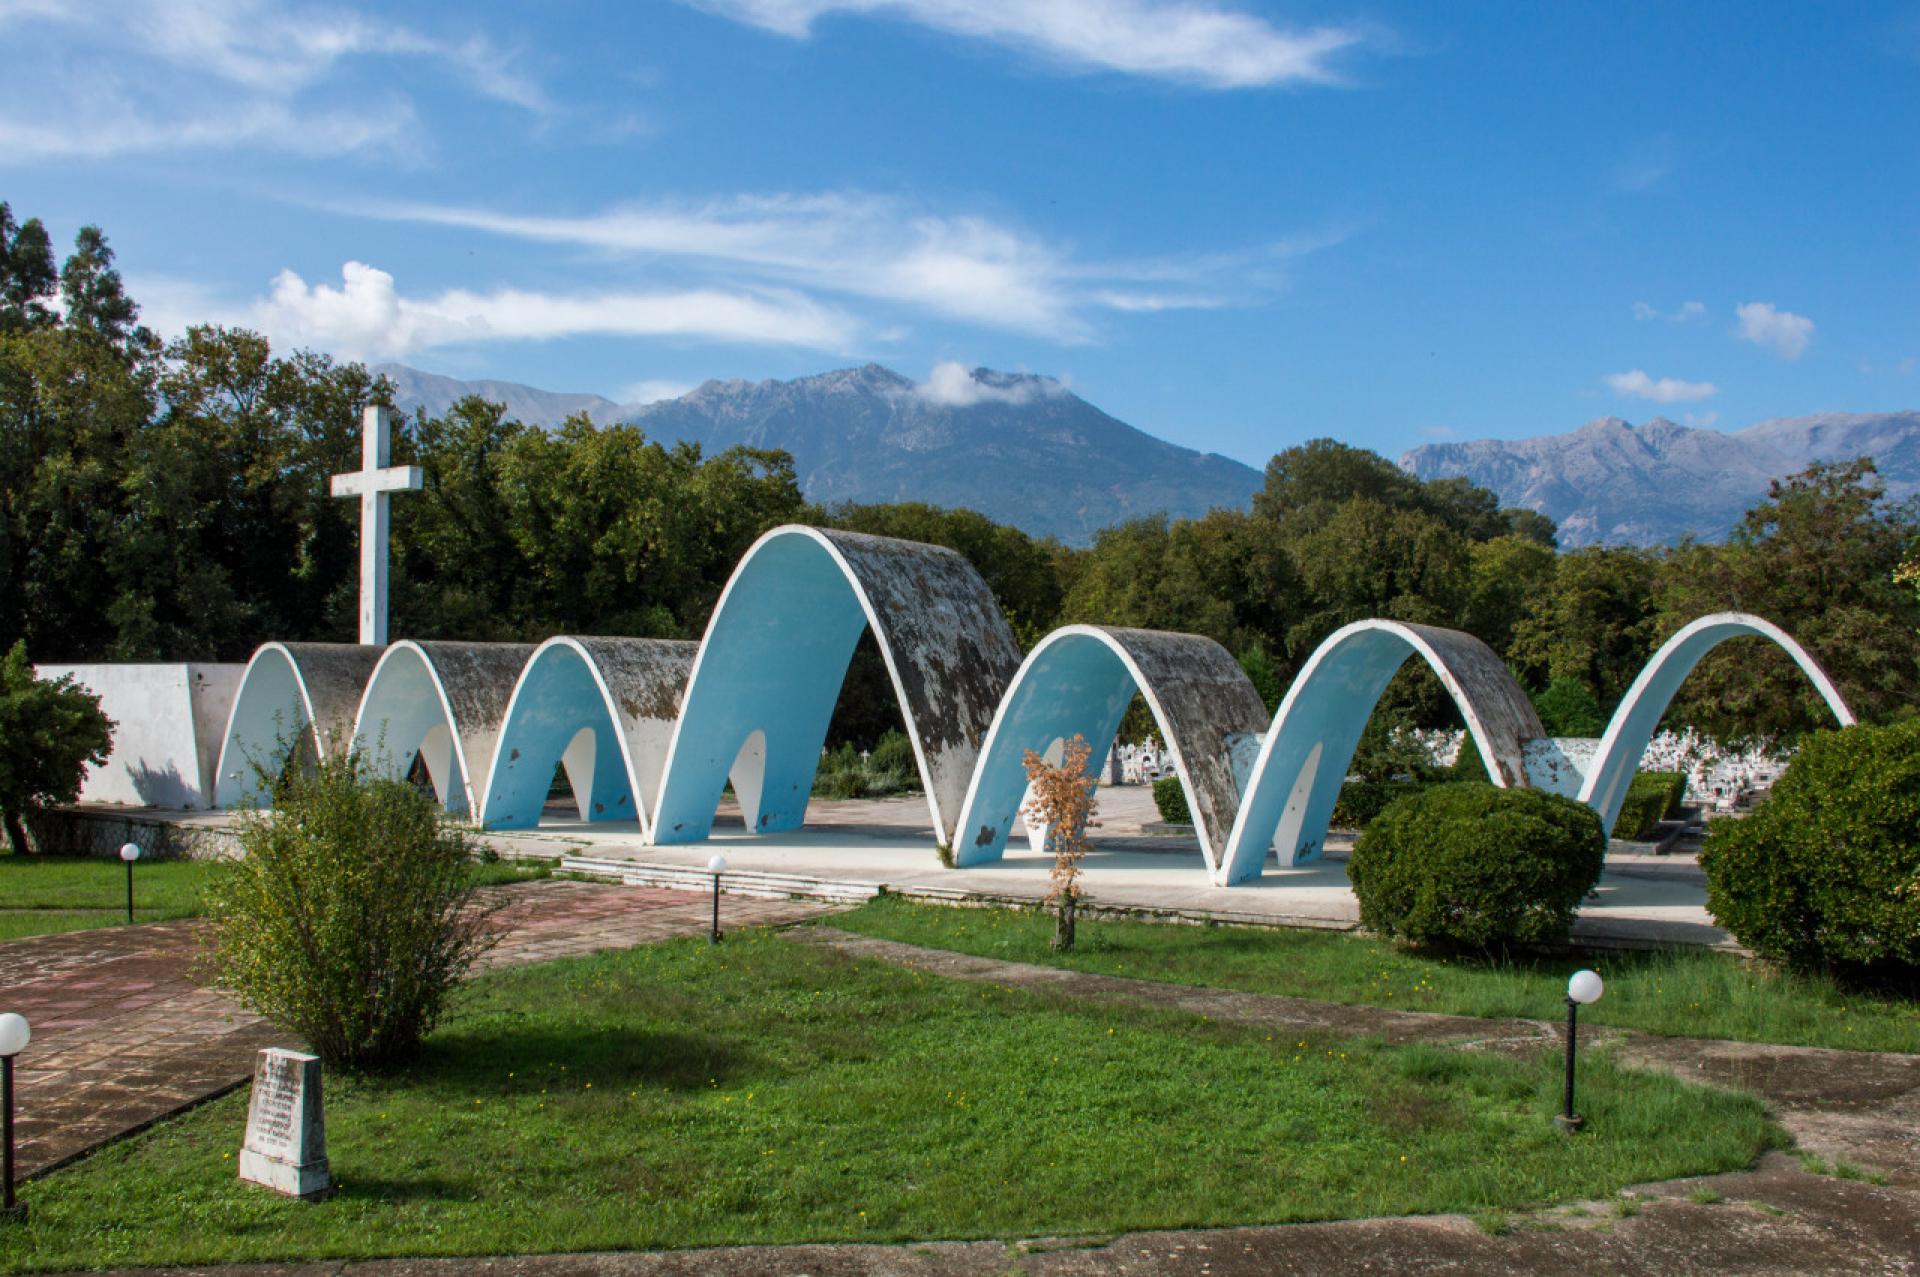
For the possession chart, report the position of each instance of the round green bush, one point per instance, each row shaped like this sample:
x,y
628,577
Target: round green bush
x,y
1474,866
1825,874
1171,798
350,918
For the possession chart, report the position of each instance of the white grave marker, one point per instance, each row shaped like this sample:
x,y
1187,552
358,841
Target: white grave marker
x,y
374,483
286,1144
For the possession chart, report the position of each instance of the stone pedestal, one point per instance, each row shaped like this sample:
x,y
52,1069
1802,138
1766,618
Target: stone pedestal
x,y
286,1144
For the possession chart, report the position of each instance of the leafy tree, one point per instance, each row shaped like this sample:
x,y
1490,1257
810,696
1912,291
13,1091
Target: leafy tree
x,y
95,298
1818,558
1567,708
50,731
27,277
1265,675
1593,623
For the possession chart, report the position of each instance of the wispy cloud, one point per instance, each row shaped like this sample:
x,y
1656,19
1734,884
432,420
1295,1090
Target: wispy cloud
x,y
1781,331
1647,165
1638,385
653,390
1184,41
1686,312
959,266
367,317
223,74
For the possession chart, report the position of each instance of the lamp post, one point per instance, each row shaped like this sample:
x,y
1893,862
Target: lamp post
x,y
15,1033
716,867
1584,987
130,852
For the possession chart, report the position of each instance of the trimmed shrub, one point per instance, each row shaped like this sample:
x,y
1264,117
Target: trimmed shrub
x,y
1475,866
1672,784
1825,874
1651,798
1172,801
351,917
1361,800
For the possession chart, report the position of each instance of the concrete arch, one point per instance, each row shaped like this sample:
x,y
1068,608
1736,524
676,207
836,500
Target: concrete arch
x,y
1297,776
445,701
602,707
1645,704
292,695
776,652
1080,679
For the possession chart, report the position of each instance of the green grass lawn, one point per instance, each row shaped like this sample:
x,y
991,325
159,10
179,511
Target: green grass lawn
x,y
1690,993
768,1091
40,895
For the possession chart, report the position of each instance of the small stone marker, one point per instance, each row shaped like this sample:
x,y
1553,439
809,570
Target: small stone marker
x,y
286,1144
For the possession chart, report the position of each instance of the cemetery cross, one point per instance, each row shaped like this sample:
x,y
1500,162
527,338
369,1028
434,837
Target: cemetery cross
x,y
373,483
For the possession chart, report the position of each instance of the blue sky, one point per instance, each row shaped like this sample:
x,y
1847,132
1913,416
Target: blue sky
x,y
1235,225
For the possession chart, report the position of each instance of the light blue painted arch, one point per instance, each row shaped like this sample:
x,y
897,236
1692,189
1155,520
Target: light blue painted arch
x,y
1639,713
776,652
1303,761
602,707
1079,680
291,696
445,702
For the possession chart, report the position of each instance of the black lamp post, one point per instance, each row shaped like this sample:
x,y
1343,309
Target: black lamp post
x,y
130,852
1584,987
716,867
15,1033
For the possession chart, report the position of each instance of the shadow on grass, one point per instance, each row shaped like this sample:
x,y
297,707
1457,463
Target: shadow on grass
x,y
456,1060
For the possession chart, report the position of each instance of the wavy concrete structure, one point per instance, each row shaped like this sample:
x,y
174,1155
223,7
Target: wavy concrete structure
x,y
602,707
1297,776
292,696
445,702
1641,709
775,654
1080,680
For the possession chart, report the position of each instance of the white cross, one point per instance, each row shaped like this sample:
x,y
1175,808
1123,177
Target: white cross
x,y
372,483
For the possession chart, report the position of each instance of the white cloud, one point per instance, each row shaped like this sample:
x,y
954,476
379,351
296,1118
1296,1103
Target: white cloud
x,y
1687,312
218,74
958,266
1781,331
653,391
953,385
1700,420
1637,385
1186,41
367,317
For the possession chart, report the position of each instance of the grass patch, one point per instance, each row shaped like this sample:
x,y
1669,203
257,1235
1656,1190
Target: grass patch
x,y
766,1091
1685,993
43,895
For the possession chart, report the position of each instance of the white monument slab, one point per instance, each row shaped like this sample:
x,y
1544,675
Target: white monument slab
x,y
286,1144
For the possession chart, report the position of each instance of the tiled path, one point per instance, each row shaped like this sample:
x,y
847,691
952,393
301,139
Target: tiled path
x,y
122,1036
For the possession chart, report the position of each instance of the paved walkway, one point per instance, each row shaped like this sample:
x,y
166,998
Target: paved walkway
x,y
122,1036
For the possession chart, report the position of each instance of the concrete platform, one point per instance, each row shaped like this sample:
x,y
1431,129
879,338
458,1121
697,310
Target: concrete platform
x,y
854,849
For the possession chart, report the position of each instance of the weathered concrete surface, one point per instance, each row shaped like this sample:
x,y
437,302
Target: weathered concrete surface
x,y
445,701
1645,704
292,696
1079,680
1297,776
605,707
776,652
167,720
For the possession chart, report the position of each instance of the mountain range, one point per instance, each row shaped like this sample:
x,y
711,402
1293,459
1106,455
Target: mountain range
x,y
1020,449
1611,482
1026,450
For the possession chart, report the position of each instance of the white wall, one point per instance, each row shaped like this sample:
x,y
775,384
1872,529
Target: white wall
x,y
168,723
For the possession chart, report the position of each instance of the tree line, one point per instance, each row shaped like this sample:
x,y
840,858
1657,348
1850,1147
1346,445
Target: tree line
x,y
169,501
